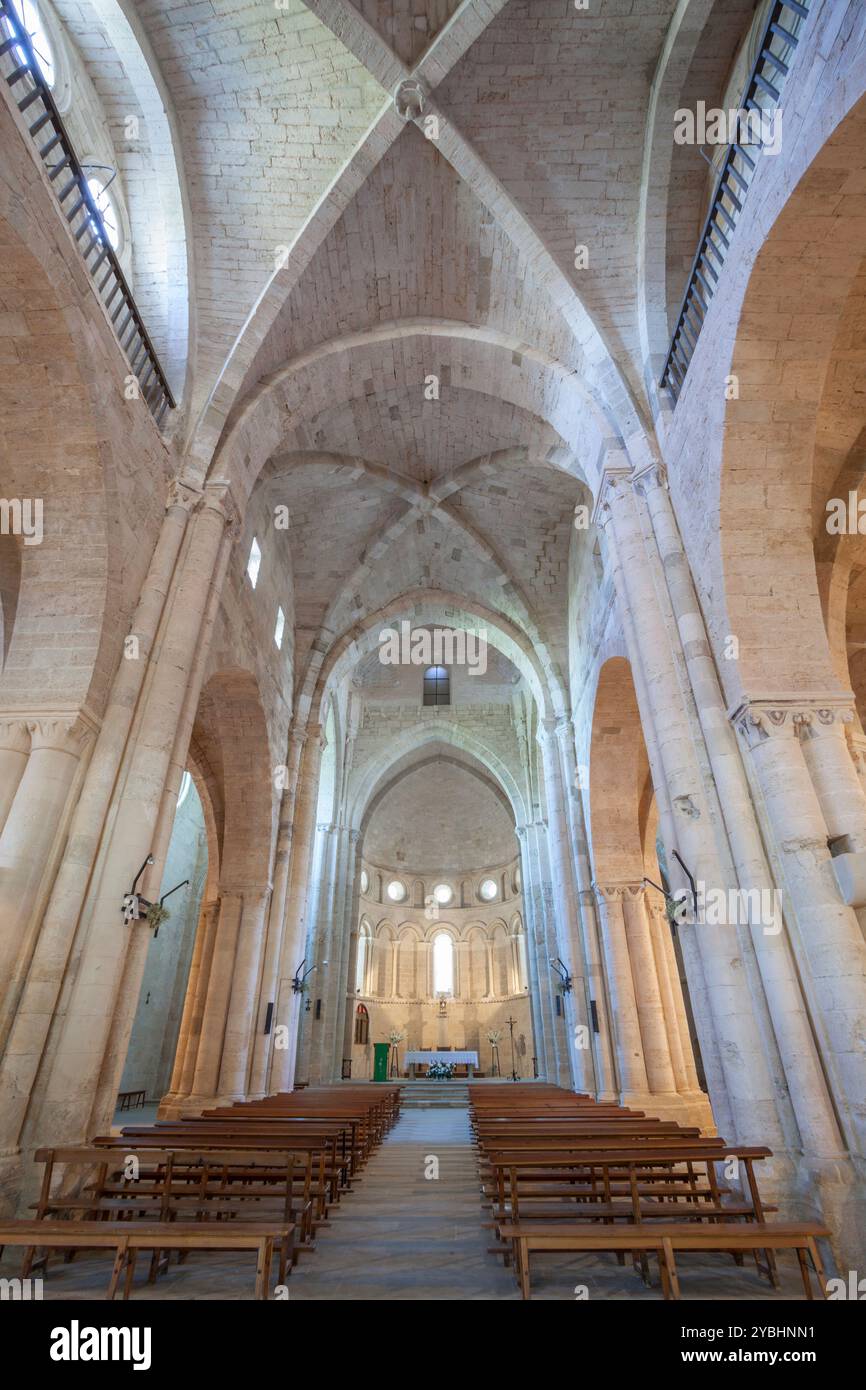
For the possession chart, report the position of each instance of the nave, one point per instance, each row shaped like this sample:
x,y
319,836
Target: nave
x,y
422,1201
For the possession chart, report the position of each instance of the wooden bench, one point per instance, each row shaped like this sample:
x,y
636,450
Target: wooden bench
x,y
663,1240
131,1100
126,1238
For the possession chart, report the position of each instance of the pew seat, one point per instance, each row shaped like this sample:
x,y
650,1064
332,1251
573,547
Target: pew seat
x,y
664,1240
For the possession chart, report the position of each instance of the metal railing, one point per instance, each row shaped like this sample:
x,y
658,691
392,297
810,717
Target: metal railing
x,y
761,96
20,68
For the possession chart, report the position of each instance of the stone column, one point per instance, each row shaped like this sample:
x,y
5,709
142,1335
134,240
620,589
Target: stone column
x,y
193,1012
56,745
215,1012
565,902
676,1021
741,1046
822,730
241,1017
779,977
49,965
650,1011
14,747
601,1041
831,945
630,1064
306,800
277,914
77,1062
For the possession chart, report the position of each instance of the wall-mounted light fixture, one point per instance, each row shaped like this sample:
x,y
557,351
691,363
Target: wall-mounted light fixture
x,y
299,979
565,978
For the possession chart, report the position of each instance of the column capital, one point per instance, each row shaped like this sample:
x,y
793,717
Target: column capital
x,y
14,735
653,475
791,716
183,494
611,488
619,890
218,497
66,733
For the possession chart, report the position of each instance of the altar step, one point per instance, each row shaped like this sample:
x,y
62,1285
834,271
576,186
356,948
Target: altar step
x,y
417,1095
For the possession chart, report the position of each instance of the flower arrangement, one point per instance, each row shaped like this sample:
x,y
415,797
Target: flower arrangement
x,y
156,915
440,1071
395,1037
493,1036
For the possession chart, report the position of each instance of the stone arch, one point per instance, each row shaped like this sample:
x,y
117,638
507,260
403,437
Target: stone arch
x,y
231,731
771,475
10,583
538,668
617,760
479,358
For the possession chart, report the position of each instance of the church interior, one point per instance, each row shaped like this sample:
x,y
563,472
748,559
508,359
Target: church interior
x,y
432,682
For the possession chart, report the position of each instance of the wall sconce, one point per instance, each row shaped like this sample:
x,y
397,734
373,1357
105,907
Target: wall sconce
x,y
299,980
565,978
135,908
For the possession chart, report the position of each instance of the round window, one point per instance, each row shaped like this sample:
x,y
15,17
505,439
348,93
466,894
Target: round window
x,y
43,52
365,880
396,890
488,890
443,894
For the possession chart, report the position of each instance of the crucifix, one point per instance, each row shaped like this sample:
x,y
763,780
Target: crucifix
x,y
511,1022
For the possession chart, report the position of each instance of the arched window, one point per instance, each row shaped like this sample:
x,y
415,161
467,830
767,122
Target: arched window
x,y
362,1026
362,961
437,686
443,963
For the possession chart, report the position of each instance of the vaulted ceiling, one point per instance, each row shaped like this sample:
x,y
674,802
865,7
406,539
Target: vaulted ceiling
x,y
399,283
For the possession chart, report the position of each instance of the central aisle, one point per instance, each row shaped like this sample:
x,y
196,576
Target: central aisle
x,y
401,1235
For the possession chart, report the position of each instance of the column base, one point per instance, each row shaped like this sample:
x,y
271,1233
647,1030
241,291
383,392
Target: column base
x,y
689,1108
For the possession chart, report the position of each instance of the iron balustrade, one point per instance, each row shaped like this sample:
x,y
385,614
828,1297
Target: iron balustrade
x,y
761,96
20,68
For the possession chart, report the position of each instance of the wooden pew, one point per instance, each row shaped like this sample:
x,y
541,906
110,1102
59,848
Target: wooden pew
x,y
125,1238
665,1239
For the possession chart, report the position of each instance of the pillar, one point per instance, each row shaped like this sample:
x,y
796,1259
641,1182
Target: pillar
x,y
630,1063
48,969
94,998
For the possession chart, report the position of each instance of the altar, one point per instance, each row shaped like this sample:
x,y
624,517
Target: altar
x,y
467,1059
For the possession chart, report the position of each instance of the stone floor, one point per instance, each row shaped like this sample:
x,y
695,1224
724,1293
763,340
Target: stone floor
x,y
403,1235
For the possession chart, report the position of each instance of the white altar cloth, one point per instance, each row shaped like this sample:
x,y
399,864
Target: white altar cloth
x,y
469,1058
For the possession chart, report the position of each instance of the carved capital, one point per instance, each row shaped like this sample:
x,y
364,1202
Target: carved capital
x,y
619,891
614,481
14,735
63,733
181,494
653,476
759,720
218,498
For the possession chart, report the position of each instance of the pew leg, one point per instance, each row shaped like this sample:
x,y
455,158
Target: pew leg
x,y
818,1264
263,1267
131,1256
116,1268
668,1251
664,1274
804,1271
522,1259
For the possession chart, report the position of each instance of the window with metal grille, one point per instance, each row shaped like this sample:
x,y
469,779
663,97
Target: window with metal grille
x,y
437,686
